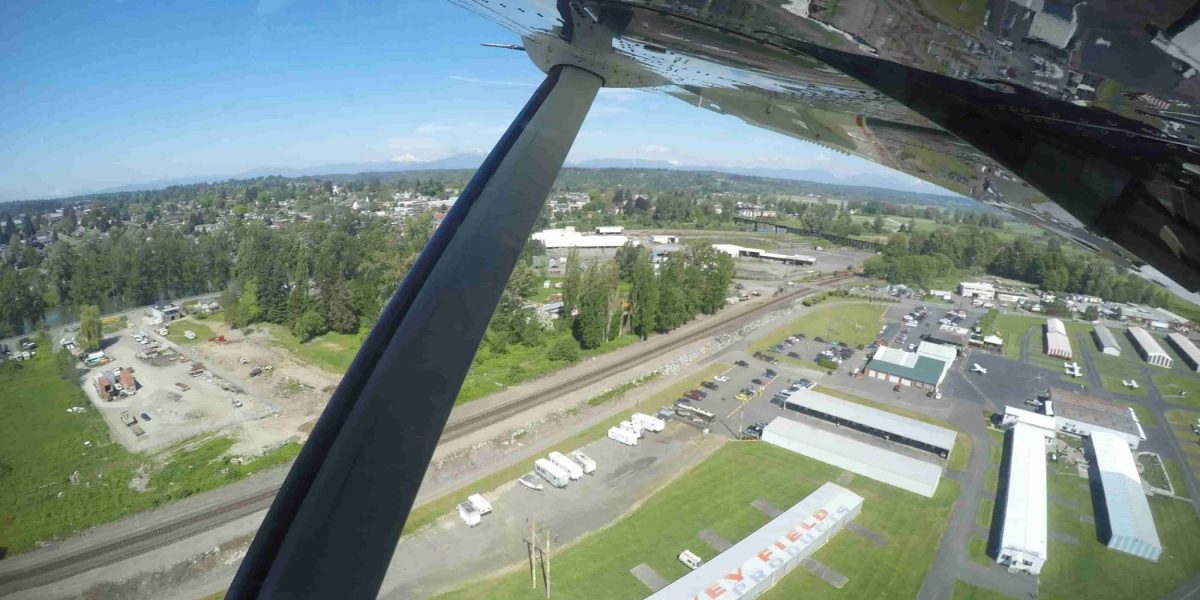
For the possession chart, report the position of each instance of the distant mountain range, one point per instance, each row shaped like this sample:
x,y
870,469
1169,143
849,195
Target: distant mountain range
x,y
896,182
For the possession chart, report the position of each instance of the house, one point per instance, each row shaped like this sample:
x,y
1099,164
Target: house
x,y
209,307
165,313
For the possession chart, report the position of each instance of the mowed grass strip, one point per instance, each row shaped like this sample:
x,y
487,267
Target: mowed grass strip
x,y
41,445
1090,570
176,328
1171,385
852,323
445,505
716,495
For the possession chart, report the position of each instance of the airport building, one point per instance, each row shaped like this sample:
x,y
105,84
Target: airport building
x,y
1022,545
1057,342
1127,523
1082,415
869,460
569,238
889,426
1106,341
924,369
1186,349
1149,348
787,259
756,563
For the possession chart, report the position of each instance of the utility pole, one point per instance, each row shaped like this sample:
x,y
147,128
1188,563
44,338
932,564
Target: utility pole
x,y
532,554
547,557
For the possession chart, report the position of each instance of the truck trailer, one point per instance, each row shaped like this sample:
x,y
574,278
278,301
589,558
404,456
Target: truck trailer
x,y
648,422
588,465
560,460
632,428
624,436
551,473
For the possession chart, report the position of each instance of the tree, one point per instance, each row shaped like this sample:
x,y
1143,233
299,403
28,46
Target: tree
x,y
625,257
339,312
309,324
247,304
1091,313
563,349
91,331
878,224
571,282
643,296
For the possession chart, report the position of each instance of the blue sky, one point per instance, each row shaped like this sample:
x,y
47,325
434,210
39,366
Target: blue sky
x,y
102,94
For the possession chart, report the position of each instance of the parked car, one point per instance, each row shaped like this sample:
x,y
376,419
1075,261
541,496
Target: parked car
x,y
756,381
897,388
693,395
145,417
710,385
770,372
742,363
721,378
793,355
753,432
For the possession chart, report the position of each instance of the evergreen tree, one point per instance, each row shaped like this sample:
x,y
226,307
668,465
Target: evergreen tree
x,y
91,331
643,296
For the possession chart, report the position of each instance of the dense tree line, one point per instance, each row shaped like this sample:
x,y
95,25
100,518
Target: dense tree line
x,y
920,258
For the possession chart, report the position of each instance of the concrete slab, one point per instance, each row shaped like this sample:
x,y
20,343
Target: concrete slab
x,y
711,538
649,577
826,574
877,538
767,508
1065,538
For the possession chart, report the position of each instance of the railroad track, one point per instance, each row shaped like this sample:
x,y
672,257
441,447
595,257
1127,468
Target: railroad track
x,y
142,542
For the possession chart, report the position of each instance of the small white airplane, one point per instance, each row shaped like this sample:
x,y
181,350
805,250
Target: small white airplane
x,y
978,369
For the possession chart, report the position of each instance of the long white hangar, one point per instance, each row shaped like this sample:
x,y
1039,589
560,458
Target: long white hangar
x,y
880,464
755,564
890,426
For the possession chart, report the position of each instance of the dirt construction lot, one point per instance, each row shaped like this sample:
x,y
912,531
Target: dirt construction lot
x,y
280,404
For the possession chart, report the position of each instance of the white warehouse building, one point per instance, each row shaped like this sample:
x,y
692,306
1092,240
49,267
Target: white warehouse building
x,y
1186,349
1129,524
1057,342
980,290
1149,348
569,238
1023,537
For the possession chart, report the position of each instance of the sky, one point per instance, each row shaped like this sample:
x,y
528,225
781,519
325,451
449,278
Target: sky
x,y
95,95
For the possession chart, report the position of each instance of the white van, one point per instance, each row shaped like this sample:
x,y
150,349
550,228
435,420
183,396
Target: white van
x,y
551,473
690,559
480,503
588,465
573,470
648,422
624,436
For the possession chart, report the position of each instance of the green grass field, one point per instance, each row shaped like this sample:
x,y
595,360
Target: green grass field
x,y
490,372
176,329
1090,570
1011,328
41,444
444,505
1171,385
966,591
1176,477
716,495
1115,369
983,515
1179,422
853,323
977,550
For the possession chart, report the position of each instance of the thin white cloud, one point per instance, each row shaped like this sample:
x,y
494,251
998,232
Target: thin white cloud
x,y
655,149
429,128
493,81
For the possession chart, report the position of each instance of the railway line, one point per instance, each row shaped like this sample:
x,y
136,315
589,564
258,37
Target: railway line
x,y
141,542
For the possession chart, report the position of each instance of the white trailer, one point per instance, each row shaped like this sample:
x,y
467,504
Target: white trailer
x,y
469,514
551,473
588,465
624,436
648,422
631,427
480,503
573,470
